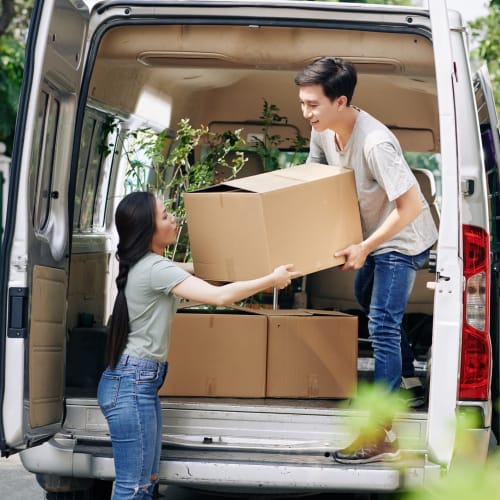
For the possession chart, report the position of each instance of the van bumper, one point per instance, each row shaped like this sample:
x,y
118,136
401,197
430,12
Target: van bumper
x,y
242,472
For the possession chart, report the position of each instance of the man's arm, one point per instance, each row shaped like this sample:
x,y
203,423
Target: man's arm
x,y
408,207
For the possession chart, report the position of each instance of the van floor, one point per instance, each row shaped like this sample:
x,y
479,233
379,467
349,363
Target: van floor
x,y
77,394
365,373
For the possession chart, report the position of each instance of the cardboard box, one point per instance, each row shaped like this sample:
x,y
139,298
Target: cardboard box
x,y
312,356
244,228
262,353
217,354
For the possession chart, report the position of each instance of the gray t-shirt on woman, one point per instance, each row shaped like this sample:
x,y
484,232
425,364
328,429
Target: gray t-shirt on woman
x,y
151,305
382,175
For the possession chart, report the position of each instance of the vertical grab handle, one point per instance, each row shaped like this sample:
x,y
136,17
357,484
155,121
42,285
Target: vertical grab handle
x,y
18,313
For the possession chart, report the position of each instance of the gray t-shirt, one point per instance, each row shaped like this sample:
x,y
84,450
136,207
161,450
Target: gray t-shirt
x,y
382,175
151,305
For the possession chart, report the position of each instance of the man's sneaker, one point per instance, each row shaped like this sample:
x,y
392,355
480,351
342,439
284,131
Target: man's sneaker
x,y
412,392
363,450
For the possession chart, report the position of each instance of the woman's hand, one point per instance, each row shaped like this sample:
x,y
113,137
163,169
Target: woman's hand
x,y
283,276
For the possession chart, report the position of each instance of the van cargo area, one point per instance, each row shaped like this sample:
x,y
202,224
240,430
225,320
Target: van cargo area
x,y
258,396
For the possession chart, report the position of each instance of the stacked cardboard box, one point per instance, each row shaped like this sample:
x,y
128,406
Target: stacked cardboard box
x,y
249,353
312,355
217,354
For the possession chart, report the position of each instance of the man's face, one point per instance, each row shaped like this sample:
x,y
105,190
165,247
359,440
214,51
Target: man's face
x,y
319,110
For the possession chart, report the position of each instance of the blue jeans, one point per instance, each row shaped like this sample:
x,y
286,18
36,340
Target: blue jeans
x,y
128,397
407,356
382,287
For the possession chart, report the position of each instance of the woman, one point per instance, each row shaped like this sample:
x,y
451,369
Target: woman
x,y
148,289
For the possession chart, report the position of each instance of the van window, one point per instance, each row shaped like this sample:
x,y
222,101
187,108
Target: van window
x,y
432,163
95,164
42,157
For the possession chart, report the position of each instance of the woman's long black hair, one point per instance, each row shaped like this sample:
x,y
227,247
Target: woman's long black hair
x,y
135,223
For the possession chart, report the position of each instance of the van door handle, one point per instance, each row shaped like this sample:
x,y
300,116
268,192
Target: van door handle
x,y
442,277
18,313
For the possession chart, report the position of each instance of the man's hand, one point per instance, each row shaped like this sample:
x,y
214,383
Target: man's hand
x,y
355,256
408,207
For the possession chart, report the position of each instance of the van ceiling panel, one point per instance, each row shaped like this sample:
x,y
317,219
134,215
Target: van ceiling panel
x,y
277,47
204,72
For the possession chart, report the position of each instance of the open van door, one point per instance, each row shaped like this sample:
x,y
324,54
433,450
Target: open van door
x,y
447,303
34,254
488,123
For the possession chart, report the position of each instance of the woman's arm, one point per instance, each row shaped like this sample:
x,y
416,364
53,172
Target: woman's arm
x,y
198,290
187,266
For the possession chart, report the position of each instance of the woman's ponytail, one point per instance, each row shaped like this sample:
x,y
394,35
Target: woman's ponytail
x,y
119,326
134,220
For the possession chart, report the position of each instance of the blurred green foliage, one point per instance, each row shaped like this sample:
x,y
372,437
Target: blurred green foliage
x,y
468,478
14,20
486,30
11,74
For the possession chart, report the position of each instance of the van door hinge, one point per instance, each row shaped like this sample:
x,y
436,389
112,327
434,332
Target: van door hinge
x,y
468,186
18,313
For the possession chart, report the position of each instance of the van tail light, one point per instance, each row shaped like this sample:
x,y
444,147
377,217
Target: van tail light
x,y
475,365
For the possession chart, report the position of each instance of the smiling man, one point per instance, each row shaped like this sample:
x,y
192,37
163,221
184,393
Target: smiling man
x,y
398,229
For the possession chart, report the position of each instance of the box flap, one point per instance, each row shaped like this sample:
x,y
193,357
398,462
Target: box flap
x,y
280,179
310,172
321,312
292,312
201,308
278,312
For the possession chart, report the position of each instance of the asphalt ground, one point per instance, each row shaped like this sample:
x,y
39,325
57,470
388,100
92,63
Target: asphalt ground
x,y
16,483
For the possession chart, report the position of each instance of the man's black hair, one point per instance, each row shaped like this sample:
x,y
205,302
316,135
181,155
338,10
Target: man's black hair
x,y
336,76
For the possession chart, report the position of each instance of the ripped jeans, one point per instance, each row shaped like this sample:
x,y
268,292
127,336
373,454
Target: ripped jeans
x,y
128,397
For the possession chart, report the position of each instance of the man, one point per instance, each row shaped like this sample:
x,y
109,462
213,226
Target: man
x,y
398,229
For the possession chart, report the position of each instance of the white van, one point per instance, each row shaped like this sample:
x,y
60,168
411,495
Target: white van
x,y
153,63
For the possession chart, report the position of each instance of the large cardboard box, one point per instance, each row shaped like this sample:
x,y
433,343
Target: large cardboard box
x,y
244,228
312,356
217,354
262,353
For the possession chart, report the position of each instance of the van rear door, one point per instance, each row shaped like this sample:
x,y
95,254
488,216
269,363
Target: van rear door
x,y
34,256
447,302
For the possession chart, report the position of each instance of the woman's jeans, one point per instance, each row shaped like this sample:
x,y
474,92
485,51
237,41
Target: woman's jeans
x,y
382,287
128,397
